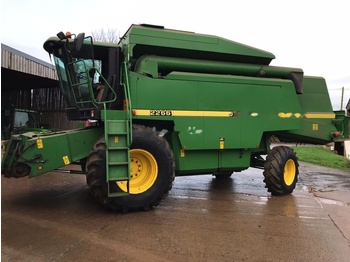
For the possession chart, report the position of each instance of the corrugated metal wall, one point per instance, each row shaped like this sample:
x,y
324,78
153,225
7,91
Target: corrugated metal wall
x,y
48,101
21,62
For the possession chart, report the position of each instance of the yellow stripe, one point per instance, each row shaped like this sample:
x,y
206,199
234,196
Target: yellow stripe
x,y
203,113
285,115
145,112
141,112
319,115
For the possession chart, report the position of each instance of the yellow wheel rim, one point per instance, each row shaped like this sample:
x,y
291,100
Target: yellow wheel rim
x,y
143,172
289,172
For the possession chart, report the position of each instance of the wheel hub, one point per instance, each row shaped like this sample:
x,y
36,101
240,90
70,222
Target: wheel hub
x,y
289,172
143,172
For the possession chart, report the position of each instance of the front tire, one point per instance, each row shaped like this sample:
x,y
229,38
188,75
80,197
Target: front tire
x,y
281,171
152,169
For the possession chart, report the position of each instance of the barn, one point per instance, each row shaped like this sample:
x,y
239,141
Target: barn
x,y
30,83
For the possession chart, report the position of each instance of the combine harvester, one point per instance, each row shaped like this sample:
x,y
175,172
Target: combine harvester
x,y
163,103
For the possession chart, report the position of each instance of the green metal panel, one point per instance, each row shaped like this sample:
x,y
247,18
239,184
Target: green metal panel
x,y
236,160
143,40
43,153
317,117
315,97
258,105
196,161
201,92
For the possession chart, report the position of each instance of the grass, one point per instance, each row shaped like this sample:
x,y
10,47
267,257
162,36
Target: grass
x,y
321,156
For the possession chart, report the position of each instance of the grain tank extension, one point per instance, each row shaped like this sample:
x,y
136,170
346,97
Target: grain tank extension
x,y
163,103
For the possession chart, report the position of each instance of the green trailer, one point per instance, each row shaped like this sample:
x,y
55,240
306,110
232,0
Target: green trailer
x,y
163,103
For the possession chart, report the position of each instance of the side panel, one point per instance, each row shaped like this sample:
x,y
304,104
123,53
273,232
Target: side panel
x,y
189,162
257,106
317,116
147,40
216,113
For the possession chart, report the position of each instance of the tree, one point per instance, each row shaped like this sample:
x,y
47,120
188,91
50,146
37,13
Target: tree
x,y
101,35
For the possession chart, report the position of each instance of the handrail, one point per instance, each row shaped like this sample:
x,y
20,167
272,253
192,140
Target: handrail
x,y
108,86
127,98
88,84
105,128
73,85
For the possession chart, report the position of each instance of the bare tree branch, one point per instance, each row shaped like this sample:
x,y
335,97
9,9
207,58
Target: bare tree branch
x,y
110,36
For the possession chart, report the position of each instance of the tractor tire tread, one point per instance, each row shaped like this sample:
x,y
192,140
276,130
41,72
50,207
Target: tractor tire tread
x,y
274,169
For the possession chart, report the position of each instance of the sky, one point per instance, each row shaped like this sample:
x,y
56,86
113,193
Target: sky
x,y
308,34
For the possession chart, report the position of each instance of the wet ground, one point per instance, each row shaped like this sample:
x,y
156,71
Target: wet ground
x,y
53,218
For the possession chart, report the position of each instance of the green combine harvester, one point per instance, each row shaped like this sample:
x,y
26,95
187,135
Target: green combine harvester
x,y
163,103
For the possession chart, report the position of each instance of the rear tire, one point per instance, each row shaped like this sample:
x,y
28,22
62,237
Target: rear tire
x,y
281,171
152,172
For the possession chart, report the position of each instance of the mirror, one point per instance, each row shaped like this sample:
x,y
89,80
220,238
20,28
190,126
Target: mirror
x,y
78,42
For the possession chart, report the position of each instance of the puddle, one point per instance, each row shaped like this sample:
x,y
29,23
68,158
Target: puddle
x,y
331,202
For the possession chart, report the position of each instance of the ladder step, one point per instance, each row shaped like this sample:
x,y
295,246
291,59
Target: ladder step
x,y
118,148
118,194
117,163
119,179
117,133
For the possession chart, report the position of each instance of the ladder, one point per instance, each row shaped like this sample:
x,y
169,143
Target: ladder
x,y
117,156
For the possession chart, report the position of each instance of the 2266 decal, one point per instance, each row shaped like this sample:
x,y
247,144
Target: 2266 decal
x,y
160,113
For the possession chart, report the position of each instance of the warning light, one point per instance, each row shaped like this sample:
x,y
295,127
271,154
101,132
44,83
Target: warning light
x,y
68,34
40,168
336,134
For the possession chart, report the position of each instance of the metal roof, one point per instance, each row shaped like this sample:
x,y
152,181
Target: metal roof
x,y
20,71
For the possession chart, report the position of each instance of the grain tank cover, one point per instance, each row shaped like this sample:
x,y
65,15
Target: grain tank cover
x,y
140,40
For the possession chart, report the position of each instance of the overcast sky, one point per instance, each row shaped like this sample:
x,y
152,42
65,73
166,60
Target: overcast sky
x,y
310,34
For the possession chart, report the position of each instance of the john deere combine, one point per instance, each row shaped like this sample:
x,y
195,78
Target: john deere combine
x,y
164,103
